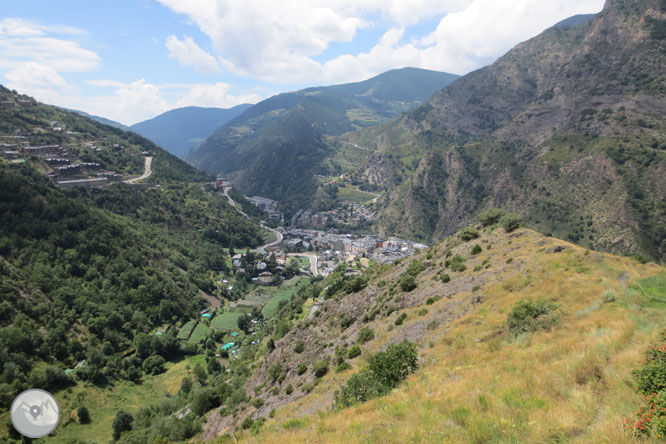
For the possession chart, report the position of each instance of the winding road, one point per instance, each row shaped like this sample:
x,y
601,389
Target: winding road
x,y
313,261
147,171
262,248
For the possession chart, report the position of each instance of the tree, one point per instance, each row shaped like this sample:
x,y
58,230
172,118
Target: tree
x,y
511,221
121,423
154,365
83,414
244,323
186,385
213,366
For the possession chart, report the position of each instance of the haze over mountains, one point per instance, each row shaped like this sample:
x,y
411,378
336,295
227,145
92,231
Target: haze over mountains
x,y
182,129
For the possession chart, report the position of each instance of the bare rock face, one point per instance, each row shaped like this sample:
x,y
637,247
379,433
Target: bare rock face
x,y
565,129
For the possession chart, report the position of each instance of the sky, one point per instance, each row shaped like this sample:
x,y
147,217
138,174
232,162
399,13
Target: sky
x,y
130,60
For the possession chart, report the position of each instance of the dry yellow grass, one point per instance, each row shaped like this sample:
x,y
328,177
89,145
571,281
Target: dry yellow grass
x,y
477,384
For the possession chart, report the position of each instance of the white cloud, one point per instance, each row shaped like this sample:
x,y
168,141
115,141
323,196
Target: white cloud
x,y
215,95
36,80
23,41
140,100
278,41
188,53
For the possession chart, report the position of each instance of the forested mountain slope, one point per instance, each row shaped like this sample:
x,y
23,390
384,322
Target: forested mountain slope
x,y
567,129
181,130
292,127
87,275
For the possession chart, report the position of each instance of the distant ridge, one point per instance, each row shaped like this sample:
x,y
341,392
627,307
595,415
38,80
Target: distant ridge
x,y
181,129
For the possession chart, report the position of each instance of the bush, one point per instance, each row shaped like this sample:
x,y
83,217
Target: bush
x,y
366,334
407,283
457,263
423,312
247,423
384,372
468,234
400,319
491,216
476,250
289,390
299,347
528,316
121,423
83,414
275,371
302,368
609,296
651,382
320,368
445,278
154,365
511,222
354,352
342,367
258,403
415,268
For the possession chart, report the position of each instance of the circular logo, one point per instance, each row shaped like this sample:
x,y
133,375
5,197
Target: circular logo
x,y
35,413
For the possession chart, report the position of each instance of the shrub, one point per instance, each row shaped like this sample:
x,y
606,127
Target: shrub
x,y
445,278
83,414
423,312
400,319
121,423
491,216
511,221
432,325
275,371
320,368
366,334
354,352
609,296
528,316
258,403
302,368
289,390
247,423
651,382
476,250
407,283
415,268
343,366
430,301
153,365
468,234
385,371
299,347
457,263
356,284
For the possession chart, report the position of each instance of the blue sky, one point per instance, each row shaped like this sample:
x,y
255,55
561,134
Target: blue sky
x,y
130,60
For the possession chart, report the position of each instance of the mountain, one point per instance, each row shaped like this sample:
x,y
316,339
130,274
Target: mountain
x,y
276,147
182,129
87,274
566,129
99,119
502,330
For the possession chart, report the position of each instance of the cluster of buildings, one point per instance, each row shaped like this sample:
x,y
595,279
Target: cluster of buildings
x,y
344,214
334,248
66,169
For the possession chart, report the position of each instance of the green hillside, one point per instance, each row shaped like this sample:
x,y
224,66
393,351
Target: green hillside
x,y
87,275
291,128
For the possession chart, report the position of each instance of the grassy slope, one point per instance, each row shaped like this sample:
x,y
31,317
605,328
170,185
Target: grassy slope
x,y
103,403
476,384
